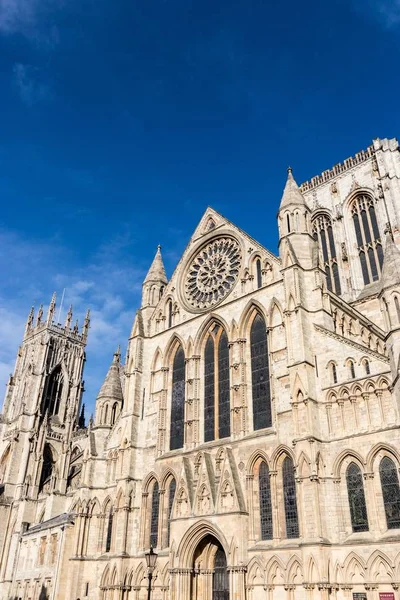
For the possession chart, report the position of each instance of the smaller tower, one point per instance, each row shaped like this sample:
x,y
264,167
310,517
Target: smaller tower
x,y
110,398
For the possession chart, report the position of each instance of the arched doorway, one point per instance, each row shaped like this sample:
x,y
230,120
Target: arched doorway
x,y
210,572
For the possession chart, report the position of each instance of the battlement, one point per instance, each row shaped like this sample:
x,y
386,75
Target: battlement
x,y
33,326
339,168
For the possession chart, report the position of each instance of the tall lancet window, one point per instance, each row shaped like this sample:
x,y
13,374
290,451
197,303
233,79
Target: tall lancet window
x,y
260,374
217,406
265,502
171,497
178,400
355,491
369,241
390,492
323,234
289,493
155,505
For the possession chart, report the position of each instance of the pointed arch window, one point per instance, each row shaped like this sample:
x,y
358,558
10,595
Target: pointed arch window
x,y
290,500
171,497
261,389
110,521
216,386
334,373
323,234
169,310
352,370
367,367
258,273
155,505
178,400
355,492
390,492
53,392
369,243
114,413
47,469
264,487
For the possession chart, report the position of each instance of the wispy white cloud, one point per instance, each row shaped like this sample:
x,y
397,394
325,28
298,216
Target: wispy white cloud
x,y
29,83
107,284
385,12
30,18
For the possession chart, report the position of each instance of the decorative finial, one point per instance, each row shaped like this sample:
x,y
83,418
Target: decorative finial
x,y
69,318
86,324
29,320
76,327
52,308
117,354
39,315
289,170
159,247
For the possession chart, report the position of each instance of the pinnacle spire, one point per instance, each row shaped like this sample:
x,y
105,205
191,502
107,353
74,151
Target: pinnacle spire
x,y
29,321
156,272
112,387
391,263
86,324
69,318
52,309
292,194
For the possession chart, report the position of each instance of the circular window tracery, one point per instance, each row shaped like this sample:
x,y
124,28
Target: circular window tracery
x,y
212,273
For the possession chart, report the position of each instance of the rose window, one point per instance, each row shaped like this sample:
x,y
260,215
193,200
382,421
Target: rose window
x,y
212,273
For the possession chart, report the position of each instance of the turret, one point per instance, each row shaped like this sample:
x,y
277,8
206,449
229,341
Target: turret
x,y
155,282
110,398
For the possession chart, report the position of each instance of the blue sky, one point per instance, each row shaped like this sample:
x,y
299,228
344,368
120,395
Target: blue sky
x,y
121,121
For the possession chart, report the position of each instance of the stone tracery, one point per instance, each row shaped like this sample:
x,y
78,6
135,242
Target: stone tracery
x,y
212,273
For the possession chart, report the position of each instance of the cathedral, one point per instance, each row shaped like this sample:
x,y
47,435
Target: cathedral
x,y
251,437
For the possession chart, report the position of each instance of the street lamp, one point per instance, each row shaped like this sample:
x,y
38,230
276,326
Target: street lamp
x,y
151,558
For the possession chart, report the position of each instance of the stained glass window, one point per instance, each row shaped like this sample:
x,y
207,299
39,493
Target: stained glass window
x,y
289,493
109,530
216,386
368,238
209,390
355,491
171,496
155,504
260,374
265,502
259,274
323,234
224,407
178,400
334,373
367,367
390,491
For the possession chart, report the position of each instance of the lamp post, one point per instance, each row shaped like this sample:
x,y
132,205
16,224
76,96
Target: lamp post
x,y
151,558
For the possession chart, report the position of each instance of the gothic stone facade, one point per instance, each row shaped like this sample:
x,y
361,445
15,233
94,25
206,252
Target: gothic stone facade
x,y
252,436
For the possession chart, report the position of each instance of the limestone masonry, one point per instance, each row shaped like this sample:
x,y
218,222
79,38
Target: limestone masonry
x,y
252,435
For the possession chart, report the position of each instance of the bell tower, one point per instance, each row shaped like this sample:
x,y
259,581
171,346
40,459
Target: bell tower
x,y
41,407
